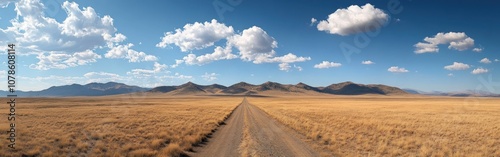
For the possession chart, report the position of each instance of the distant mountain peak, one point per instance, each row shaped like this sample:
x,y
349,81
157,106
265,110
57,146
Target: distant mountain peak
x,y
188,89
271,86
304,86
300,84
269,83
242,84
346,83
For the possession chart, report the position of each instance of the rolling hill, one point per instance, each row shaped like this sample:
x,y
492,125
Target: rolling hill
x,y
189,88
350,88
91,89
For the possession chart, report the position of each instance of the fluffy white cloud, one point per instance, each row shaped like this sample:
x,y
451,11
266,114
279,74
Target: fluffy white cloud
x,y
81,30
254,45
125,51
209,77
396,69
257,46
354,19
63,61
327,64
485,61
218,54
477,49
462,44
197,35
368,62
496,60
479,71
450,74
457,66
456,40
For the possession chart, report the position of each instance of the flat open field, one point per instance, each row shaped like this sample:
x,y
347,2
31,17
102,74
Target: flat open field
x,y
257,126
392,126
112,126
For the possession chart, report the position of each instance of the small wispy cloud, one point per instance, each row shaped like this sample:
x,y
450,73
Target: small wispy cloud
x,y
327,64
210,76
367,62
396,69
477,49
485,61
479,71
313,21
457,66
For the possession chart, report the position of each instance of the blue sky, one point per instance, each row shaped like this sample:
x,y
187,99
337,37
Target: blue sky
x,y
423,45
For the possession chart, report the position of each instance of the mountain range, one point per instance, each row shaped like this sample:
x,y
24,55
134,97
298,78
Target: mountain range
x,y
241,88
274,88
91,89
190,88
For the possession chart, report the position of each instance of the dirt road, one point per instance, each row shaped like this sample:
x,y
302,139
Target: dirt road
x,y
251,132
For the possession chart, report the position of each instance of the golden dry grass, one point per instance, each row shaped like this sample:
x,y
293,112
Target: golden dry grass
x,y
392,126
112,126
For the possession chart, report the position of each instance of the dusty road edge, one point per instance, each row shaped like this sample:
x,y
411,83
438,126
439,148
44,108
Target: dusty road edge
x,y
207,136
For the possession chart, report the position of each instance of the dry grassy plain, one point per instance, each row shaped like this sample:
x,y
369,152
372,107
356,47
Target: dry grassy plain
x,y
392,126
112,126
